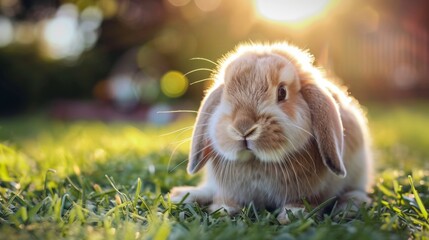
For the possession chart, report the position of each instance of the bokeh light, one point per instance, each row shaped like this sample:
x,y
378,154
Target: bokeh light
x,y
174,84
6,31
60,33
68,34
290,11
91,18
207,5
158,114
108,7
179,3
124,90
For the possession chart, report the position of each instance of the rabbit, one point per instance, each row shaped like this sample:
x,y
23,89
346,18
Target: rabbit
x,y
273,131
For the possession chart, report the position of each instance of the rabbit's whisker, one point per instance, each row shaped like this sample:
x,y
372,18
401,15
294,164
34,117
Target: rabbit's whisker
x,y
174,151
300,128
205,59
177,131
199,69
177,165
202,80
183,111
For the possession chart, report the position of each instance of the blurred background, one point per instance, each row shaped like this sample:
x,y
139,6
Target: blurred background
x,y
129,59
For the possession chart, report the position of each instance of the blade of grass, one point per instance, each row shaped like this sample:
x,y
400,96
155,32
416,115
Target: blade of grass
x,y
45,187
137,193
320,207
422,208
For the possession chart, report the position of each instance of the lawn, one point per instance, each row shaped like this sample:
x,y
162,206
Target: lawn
x,y
92,180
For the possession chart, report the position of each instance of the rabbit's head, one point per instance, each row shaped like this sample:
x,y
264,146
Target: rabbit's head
x,y
266,104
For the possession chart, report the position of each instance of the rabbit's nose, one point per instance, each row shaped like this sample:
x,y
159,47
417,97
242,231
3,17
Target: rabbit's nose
x,y
246,143
244,130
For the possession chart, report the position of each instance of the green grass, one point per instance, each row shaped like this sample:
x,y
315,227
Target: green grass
x,y
91,180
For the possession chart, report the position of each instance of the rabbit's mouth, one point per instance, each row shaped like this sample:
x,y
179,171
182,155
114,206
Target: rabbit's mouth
x,y
273,155
245,155
251,149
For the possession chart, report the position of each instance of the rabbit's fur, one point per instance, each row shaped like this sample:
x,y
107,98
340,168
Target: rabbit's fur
x,y
260,148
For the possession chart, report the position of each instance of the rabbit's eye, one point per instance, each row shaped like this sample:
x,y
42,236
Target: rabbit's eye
x,y
281,93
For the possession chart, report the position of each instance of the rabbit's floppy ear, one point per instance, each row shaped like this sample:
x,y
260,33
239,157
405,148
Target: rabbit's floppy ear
x,y
200,144
327,126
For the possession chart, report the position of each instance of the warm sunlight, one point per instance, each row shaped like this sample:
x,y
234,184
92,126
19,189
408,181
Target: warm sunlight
x,y
289,11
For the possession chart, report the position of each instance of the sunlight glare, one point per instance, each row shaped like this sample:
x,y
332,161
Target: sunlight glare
x,y
290,11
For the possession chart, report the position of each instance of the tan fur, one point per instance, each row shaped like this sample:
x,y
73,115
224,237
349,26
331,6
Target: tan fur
x,y
290,179
199,149
313,146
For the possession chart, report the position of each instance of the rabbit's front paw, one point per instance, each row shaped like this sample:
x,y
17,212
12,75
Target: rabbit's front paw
x,y
185,194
